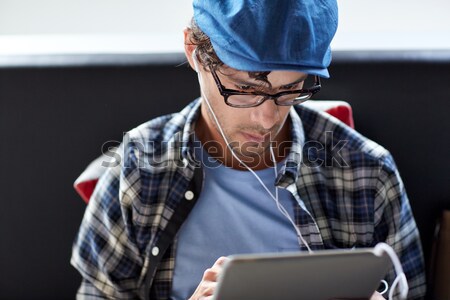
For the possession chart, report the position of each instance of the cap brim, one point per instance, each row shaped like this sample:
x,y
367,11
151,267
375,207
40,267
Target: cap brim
x,y
241,63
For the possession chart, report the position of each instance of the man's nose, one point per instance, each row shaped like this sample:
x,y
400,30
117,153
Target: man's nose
x,y
266,114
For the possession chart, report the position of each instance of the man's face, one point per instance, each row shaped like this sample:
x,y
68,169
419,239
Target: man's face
x,y
249,130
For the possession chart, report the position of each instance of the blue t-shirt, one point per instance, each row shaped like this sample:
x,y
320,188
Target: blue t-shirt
x,y
234,215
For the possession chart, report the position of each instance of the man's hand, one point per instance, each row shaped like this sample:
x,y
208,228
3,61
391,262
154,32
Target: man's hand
x,y
207,286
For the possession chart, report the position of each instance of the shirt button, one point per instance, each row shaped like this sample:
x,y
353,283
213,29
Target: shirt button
x,y
189,195
155,251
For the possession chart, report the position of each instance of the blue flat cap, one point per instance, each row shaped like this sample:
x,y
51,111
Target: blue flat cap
x,y
268,35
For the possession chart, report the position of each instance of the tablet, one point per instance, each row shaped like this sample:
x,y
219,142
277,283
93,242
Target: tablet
x,y
327,274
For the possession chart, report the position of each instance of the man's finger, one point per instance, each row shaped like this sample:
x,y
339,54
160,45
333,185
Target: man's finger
x,y
221,260
208,288
211,274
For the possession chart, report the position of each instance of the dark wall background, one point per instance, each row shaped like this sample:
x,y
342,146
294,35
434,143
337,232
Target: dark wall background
x,y
54,120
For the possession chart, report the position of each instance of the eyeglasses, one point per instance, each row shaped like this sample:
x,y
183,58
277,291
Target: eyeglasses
x,y
241,99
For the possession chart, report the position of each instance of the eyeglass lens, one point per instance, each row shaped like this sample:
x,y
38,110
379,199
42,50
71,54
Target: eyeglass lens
x,y
289,99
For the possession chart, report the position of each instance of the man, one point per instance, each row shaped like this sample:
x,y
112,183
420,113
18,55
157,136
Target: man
x,y
245,169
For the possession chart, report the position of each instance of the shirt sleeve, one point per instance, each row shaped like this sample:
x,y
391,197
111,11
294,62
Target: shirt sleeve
x,y
395,225
105,251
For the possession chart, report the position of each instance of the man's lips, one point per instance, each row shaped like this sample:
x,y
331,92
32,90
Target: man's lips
x,y
251,137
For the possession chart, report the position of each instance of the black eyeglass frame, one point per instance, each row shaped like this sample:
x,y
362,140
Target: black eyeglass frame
x,y
229,92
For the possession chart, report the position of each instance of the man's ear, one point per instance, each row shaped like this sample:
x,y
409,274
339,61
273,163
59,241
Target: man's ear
x,y
189,48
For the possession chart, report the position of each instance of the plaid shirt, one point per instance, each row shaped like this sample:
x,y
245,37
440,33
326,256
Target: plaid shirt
x,y
348,188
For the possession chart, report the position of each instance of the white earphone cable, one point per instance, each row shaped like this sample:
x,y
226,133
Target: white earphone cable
x,y
400,279
274,197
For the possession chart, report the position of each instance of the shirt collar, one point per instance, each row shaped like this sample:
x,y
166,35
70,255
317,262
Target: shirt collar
x,y
289,173
187,136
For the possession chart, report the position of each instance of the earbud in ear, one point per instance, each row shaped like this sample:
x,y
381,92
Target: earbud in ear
x,y
194,59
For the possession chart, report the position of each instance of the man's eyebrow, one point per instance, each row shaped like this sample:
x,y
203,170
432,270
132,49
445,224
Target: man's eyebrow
x,y
303,78
256,84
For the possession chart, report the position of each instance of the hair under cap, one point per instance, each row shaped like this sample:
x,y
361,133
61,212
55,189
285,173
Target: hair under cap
x,y
267,35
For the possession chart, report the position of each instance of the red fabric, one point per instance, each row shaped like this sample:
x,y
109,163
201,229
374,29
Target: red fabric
x,y
343,113
86,188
